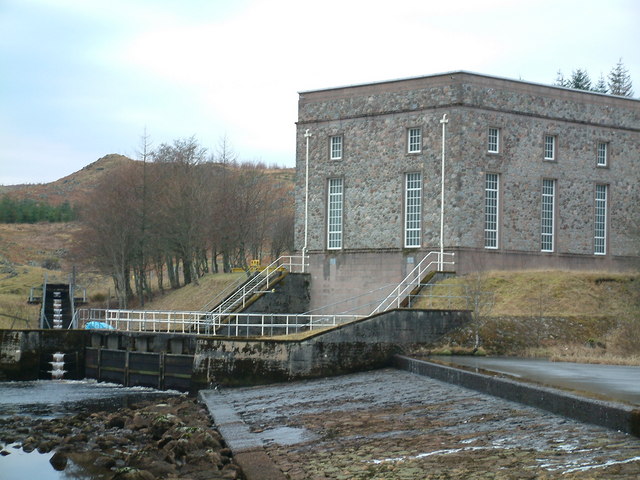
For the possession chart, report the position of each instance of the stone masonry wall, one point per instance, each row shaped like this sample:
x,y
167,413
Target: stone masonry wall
x,y
373,121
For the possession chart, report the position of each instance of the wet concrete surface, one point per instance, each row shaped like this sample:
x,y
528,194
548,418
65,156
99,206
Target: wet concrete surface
x,y
392,424
618,383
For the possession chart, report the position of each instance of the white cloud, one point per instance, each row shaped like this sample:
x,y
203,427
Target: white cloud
x,y
90,76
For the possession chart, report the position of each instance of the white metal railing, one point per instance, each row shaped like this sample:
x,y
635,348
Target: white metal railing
x,y
231,300
235,324
413,279
224,293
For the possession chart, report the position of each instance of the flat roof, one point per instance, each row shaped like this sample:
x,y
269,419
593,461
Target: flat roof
x,y
456,73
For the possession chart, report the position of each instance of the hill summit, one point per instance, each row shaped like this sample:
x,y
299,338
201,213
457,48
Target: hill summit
x,y
72,187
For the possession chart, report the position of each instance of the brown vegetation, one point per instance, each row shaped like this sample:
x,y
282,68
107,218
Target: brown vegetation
x,y
171,220
72,188
572,316
178,214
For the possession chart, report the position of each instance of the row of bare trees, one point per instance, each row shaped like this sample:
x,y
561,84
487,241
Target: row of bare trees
x,y
181,213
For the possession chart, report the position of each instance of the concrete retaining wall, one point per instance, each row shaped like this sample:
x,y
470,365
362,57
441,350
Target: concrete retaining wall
x,y
607,414
290,295
25,354
164,359
362,345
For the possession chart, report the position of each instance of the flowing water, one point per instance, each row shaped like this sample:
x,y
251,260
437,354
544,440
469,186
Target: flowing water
x,y
57,398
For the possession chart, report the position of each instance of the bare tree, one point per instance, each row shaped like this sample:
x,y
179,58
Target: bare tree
x,y
182,205
141,260
479,301
109,236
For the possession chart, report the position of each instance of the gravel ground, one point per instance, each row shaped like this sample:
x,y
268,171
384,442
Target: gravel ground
x,y
391,424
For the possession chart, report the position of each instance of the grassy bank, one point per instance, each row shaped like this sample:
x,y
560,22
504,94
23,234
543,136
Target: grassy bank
x,y
573,316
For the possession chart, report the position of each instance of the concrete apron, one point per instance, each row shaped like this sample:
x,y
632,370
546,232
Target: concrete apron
x,y
608,414
247,447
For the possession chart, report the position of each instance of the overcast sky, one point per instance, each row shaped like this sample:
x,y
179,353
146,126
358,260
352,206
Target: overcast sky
x,y
80,79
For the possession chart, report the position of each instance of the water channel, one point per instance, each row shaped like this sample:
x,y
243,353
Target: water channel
x,y
56,398
612,382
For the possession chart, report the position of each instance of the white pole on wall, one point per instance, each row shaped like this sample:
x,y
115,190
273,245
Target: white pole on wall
x,y
444,122
307,135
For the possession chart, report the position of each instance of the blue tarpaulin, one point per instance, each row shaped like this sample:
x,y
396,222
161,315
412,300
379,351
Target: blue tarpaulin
x,y
97,326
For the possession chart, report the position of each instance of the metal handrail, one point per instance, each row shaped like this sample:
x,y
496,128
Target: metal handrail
x,y
236,324
248,288
412,280
224,293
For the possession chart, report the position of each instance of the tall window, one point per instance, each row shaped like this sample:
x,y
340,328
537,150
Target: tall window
x,y
334,214
414,140
602,154
491,210
494,140
600,243
549,147
547,220
413,209
336,148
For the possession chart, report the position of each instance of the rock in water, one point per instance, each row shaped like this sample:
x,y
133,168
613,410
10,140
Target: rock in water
x,y
58,461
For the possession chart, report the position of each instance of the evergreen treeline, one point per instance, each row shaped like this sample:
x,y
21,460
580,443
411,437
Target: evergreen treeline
x,y
618,81
31,211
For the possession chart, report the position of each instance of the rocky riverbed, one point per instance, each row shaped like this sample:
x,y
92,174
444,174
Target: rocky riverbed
x,y
171,438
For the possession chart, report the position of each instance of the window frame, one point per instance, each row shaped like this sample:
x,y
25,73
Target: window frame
x,y
548,215
600,219
554,148
413,209
333,141
602,154
335,213
492,211
413,132
490,141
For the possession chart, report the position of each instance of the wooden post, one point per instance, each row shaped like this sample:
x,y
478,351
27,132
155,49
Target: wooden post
x,y
162,360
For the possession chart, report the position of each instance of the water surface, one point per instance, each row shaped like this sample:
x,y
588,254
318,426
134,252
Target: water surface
x,y
58,398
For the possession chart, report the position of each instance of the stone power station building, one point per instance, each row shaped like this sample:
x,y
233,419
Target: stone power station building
x,y
535,177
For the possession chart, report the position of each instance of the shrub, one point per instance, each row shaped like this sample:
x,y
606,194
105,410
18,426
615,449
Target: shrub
x,y
51,264
625,338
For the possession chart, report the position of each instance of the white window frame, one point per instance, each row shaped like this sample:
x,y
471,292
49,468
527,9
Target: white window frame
x,y
335,147
600,220
491,210
547,215
414,140
493,140
413,210
335,204
550,147
602,154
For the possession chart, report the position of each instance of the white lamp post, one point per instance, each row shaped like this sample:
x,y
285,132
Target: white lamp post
x,y
444,122
307,135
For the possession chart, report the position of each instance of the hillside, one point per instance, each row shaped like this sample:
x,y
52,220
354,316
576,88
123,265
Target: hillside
x,y
73,187
28,252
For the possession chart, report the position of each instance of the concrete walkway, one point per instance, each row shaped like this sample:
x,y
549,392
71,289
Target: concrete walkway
x,y
613,382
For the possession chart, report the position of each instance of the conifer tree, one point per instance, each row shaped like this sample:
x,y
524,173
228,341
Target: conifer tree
x,y
560,80
620,81
601,86
580,80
